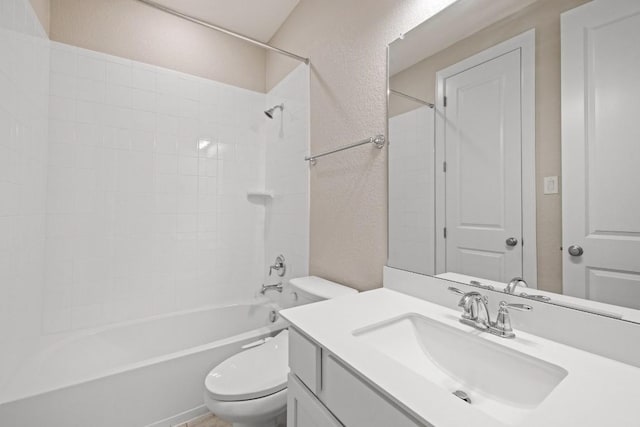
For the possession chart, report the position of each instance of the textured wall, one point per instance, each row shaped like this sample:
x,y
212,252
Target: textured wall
x,y
420,79
132,30
42,10
347,45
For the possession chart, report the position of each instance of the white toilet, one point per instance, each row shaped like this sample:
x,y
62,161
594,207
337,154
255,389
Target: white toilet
x,y
250,388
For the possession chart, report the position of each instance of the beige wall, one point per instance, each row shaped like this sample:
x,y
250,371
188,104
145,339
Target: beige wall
x,y
346,42
544,16
347,45
132,30
42,9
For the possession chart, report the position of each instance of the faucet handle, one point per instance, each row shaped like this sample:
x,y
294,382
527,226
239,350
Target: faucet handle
x,y
480,285
519,307
502,325
279,266
535,297
456,291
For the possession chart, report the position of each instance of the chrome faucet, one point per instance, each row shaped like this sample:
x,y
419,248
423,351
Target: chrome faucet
x,y
279,266
513,284
277,287
502,326
474,309
476,314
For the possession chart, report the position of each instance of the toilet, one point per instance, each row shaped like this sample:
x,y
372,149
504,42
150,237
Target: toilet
x,y
249,389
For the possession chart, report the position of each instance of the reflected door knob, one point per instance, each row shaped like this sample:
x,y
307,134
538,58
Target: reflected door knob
x,y
511,241
575,250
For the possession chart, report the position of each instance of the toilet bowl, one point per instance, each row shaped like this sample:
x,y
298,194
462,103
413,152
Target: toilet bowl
x,y
262,412
249,389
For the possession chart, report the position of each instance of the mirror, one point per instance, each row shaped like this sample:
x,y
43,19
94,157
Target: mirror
x,y
513,150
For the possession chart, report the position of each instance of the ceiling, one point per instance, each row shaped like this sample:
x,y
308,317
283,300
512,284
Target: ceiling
x,y
258,19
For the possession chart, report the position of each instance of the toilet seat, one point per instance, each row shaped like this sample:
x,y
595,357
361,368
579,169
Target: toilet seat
x,y
251,374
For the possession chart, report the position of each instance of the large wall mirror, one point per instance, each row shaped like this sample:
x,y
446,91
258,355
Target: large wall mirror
x,y
514,150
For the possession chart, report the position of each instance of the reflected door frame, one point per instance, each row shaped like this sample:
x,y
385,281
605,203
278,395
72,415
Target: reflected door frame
x,y
525,42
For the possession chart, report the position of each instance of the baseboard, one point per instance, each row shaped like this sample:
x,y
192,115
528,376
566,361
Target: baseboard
x,y
181,418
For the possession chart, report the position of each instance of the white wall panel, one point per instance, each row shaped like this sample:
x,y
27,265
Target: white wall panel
x,y
147,207
287,175
24,88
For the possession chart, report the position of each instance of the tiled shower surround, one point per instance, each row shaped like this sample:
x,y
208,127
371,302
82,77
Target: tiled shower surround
x,y
411,212
147,208
287,174
123,186
24,86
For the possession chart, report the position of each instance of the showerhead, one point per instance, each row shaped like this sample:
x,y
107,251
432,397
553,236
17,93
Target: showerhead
x,y
269,112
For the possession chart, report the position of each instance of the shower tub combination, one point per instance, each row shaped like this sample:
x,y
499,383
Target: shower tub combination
x,y
143,373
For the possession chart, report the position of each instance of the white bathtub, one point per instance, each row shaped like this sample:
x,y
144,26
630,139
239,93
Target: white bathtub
x,y
148,372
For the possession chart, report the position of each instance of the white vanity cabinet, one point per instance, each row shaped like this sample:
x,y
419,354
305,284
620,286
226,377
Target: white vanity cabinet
x,y
304,409
323,391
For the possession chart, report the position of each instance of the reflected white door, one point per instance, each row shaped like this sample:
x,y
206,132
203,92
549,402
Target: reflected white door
x,y
483,149
601,151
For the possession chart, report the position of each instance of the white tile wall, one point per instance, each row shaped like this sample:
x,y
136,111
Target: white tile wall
x,y
123,185
287,174
411,191
147,210
24,71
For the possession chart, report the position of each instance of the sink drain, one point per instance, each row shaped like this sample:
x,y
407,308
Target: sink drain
x,y
462,395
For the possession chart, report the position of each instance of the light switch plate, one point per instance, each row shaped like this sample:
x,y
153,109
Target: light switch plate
x,y
551,185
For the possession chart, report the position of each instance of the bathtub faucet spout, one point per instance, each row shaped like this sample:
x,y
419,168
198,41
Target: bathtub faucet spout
x,y
277,287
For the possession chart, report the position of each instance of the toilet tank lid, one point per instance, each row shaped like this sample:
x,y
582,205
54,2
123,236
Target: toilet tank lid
x,y
321,288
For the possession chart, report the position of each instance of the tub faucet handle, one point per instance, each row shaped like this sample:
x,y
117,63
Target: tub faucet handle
x,y
279,266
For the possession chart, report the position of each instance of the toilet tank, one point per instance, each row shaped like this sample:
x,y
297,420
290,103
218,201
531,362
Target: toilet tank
x,y
312,289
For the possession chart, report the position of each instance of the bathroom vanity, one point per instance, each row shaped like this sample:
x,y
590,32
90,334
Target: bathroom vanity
x,y
384,358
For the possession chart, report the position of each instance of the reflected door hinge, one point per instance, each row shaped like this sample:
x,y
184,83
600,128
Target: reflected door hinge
x,y
445,232
444,101
444,166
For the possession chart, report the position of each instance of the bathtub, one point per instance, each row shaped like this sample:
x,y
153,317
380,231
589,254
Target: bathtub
x,y
142,373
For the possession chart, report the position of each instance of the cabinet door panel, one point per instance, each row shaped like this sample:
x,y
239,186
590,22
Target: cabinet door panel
x,y
304,409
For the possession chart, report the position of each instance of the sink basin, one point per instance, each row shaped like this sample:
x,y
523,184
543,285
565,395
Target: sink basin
x,y
504,383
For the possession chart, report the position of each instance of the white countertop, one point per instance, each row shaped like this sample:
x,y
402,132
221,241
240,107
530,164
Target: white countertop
x,y
596,392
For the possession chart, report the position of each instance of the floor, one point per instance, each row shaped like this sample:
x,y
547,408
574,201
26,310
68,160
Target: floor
x,y
208,420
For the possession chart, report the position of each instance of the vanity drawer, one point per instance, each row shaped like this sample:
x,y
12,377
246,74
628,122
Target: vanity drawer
x,y
304,359
355,403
